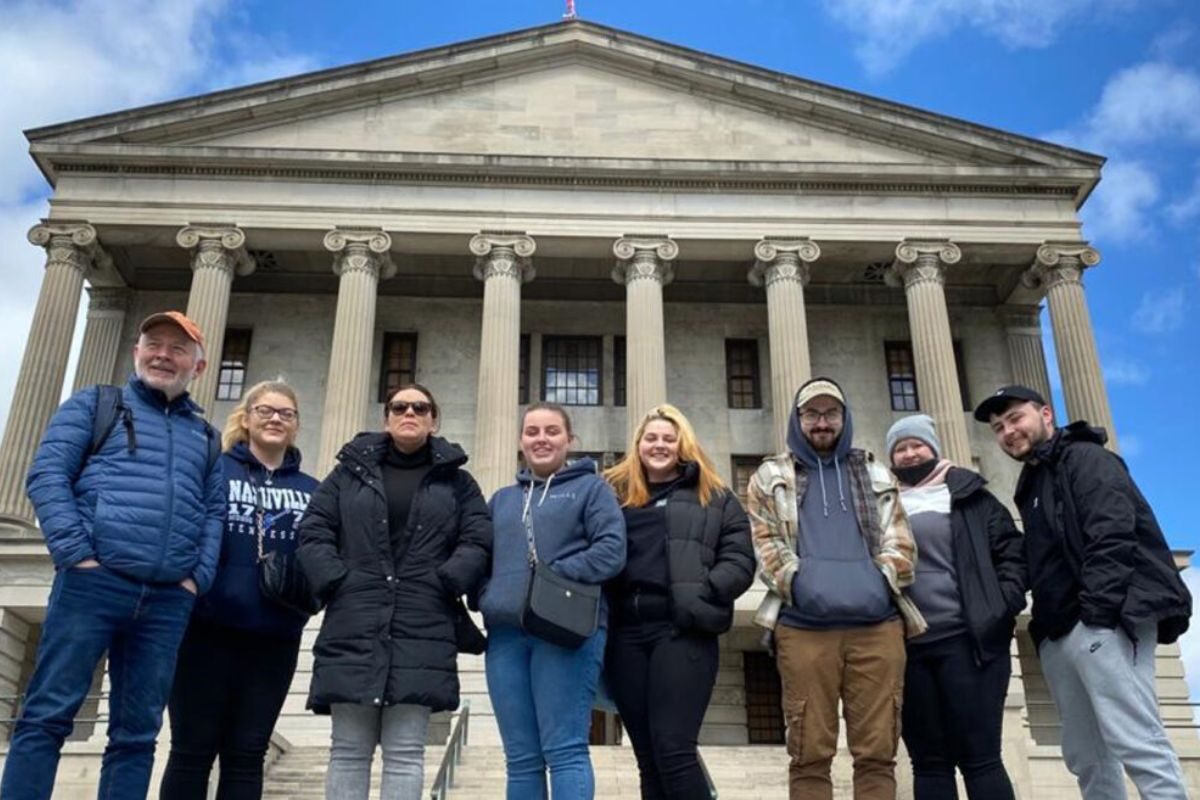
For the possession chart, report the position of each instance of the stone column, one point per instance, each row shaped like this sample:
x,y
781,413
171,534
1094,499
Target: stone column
x,y
921,268
1024,328
360,259
1058,270
782,267
218,253
107,307
502,263
71,250
644,267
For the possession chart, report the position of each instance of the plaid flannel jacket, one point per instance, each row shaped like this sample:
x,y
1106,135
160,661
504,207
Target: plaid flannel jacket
x,y
771,501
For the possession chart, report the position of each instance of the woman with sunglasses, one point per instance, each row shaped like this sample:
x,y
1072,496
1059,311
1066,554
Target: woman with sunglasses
x,y
393,537
239,653
690,558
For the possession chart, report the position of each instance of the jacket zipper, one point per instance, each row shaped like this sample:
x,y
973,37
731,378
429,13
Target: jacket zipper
x,y
170,515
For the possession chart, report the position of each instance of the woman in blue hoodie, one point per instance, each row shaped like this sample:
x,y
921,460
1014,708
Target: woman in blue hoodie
x,y
542,693
239,653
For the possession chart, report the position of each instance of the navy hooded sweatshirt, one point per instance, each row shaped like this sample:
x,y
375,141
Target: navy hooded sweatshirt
x,y
234,600
579,529
837,584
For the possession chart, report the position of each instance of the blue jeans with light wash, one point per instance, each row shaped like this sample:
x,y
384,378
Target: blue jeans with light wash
x,y
140,625
542,695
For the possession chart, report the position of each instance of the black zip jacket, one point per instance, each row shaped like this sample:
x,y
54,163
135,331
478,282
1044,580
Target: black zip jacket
x,y
388,633
1084,497
989,561
710,561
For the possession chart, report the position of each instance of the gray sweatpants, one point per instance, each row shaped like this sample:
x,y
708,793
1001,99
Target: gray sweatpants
x,y
1104,689
399,731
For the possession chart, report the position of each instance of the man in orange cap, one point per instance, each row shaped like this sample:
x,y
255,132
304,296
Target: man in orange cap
x,y
131,502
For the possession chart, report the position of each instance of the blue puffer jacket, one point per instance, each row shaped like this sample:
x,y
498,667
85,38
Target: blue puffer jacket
x,y
155,515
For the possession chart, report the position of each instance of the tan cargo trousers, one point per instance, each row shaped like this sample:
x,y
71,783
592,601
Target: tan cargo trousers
x,y
864,669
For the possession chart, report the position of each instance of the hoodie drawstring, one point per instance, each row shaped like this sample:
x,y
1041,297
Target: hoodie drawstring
x,y
824,497
837,466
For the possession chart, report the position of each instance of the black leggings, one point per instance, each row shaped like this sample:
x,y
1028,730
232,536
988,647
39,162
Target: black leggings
x,y
952,717
662,681
229,689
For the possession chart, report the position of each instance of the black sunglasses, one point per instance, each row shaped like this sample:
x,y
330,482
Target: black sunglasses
x,y
401,407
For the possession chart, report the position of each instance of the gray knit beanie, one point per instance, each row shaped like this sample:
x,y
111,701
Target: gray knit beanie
x,y
918,426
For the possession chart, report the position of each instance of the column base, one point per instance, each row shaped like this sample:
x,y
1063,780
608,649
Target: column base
x,y
18,528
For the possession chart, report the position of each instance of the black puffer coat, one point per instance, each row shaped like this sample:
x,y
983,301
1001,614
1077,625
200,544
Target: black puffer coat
x,y
710,561
388,632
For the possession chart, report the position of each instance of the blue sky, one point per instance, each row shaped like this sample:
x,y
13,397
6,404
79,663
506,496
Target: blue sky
x,y
1118,77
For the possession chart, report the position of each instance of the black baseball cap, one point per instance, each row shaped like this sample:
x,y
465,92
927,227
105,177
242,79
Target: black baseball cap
x,y
1000,399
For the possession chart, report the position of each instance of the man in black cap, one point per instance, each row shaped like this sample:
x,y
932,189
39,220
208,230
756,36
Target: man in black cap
x,y
1105,591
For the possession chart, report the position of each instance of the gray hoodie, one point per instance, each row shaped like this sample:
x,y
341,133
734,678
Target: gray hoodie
x,y
838,584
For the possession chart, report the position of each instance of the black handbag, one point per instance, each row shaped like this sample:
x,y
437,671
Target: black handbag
x,y
557,610
280,578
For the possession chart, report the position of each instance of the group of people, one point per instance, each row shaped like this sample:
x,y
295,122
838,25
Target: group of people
x,y
892,592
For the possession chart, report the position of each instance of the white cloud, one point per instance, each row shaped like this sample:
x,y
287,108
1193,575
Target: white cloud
x,y
891,29
1187,207
66,60
1119,208
1124,371
1160,311
1132,446
1145,102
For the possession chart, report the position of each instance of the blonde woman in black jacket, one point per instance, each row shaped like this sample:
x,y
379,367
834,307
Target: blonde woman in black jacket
x,y
688,558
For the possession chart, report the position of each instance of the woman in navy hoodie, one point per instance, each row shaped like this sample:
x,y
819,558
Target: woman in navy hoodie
x,y
239,652
542,693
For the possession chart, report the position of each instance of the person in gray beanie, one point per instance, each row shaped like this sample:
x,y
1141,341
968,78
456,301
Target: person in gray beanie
x,y
968,545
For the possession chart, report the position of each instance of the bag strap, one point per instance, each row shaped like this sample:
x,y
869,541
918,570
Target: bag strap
x,y
110,407
527,519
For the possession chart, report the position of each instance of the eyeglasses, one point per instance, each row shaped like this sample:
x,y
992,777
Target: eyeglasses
x,y
400,407
264,413
813,417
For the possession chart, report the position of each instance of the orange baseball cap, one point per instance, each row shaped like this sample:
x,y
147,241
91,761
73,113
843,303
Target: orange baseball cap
x,y
178,318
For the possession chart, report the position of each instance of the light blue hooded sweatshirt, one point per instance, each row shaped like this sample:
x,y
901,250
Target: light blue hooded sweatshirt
x,y
578,527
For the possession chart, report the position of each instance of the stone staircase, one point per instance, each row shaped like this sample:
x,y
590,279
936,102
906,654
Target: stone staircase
x,y
740,773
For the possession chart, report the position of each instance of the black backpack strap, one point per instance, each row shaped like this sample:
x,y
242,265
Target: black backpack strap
x,y
110,409
214,445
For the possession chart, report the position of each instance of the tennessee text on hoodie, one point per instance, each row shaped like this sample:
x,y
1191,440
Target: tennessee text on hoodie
x,y
234,600
579,530
837,583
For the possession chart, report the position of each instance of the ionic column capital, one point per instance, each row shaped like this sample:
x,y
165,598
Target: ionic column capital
x,y
783,260
219,247
644,258
361,250
503,255
72,244
1059,263
921,262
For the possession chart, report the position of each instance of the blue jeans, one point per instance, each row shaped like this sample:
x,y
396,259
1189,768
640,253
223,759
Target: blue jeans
x,y
140,625
542,695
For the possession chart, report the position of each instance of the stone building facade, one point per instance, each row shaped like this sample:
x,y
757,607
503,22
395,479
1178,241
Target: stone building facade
x,y
579,214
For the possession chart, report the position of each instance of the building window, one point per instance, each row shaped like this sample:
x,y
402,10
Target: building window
x,y
619,372
902,376
764,699
235,356
603,460
960,367
523,371
399,365
571,367
741,373
743,470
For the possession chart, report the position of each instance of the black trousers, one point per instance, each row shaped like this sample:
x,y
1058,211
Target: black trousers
x,y
229,689
662,680
952,718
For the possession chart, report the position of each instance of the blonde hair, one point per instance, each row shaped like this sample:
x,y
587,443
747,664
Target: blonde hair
x,y
628,476
235,426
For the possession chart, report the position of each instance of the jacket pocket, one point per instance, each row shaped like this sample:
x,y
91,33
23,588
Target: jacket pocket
x,y
831,592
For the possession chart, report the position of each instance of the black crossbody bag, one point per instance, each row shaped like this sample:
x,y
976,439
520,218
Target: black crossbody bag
x,y
557,610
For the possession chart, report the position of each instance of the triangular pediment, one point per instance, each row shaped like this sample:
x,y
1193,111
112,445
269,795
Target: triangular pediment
x,y
570,90
573,109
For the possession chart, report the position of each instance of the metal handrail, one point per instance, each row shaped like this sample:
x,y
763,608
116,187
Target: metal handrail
x,y
454,747
712,788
